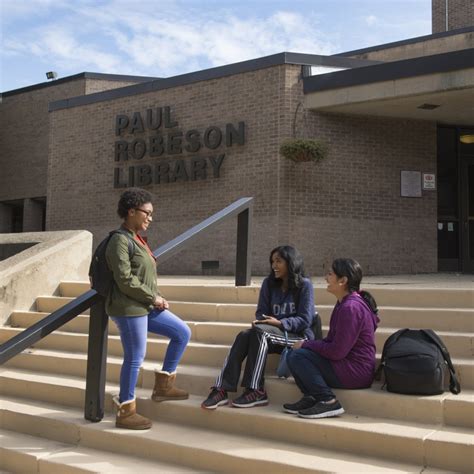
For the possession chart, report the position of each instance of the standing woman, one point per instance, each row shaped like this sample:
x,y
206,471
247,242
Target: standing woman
x,y
136,307
286,303
345,358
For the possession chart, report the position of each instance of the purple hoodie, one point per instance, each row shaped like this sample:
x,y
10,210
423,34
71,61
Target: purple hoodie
x,y
350,342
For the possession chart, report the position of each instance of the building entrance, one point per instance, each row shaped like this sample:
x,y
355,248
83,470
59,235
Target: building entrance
x,y
456,199
467,213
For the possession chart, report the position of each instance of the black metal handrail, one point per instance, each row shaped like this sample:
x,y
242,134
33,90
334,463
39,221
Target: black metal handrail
x,y
47,325
98,321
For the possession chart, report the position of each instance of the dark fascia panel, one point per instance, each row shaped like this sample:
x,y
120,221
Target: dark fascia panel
x,y
329,61
75,77
212,73
437,63
418,39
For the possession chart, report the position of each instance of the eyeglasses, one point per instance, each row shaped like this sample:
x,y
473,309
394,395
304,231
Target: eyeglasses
x,y
149,214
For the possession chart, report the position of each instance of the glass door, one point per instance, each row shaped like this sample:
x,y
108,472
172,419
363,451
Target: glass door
x,y
448,200
467,213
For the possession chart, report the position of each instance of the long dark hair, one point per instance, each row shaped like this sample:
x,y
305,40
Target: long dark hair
x,y
294,261
349,268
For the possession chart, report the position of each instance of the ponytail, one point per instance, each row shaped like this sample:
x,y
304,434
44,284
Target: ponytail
x,y
369,299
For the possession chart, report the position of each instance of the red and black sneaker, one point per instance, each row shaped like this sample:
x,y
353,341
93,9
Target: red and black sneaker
x,y
216,398
251,398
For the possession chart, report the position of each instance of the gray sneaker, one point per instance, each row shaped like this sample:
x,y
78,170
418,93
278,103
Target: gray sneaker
x,y
251,398
322,410
306,402
216,398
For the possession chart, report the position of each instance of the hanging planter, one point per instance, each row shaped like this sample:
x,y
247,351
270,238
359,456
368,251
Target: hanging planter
x,y
301,149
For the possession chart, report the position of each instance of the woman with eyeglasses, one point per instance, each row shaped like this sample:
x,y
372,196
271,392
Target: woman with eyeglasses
x,y
137,307
345,358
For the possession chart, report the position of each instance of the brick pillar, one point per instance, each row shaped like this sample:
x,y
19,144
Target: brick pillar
x,y
460,15
32,216
5,219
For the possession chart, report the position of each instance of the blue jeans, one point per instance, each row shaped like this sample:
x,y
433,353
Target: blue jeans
x,y
313,374
133,334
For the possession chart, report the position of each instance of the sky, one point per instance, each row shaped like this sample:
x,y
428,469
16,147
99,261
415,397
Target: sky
x,y
163,38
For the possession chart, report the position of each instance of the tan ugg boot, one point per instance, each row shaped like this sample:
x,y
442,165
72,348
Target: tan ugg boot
x,y
128,418
164,387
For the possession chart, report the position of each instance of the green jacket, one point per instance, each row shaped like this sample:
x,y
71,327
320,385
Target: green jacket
x,y
135,288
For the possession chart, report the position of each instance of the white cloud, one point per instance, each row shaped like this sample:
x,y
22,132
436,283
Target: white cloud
x,y
371,20
13,8
156,38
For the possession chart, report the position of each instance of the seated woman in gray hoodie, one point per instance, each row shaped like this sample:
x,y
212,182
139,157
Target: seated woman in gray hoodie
x,y
286,303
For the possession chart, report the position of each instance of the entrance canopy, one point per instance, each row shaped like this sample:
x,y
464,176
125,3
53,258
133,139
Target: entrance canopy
x,y
438,88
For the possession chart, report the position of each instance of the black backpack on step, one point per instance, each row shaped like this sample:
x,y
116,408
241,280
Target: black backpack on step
x,y
100,275
413,362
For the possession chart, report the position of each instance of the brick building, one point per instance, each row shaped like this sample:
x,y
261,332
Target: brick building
x,y
393,117
447,15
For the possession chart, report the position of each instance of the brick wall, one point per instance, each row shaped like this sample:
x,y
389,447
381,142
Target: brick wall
x,y
24,131
24,142
81,193
460,14
349,204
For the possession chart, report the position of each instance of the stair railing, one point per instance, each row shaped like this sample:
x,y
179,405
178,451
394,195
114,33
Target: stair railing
x,y
98,320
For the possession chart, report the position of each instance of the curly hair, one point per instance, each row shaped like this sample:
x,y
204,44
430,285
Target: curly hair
x,y
294,261
132,198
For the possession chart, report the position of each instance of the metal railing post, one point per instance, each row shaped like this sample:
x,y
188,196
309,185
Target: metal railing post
x,y
96,362
243,258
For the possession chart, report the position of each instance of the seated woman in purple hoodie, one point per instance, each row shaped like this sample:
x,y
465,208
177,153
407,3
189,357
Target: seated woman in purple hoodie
x,y
345,358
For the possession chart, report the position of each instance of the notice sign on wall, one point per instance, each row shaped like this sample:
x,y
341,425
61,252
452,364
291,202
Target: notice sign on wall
x,y
429,181
410,183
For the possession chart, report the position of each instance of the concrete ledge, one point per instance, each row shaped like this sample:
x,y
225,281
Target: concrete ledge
x,y
39,269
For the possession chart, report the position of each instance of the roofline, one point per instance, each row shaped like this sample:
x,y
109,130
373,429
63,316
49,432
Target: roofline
x,y
75,77
417,39
212,73
444,62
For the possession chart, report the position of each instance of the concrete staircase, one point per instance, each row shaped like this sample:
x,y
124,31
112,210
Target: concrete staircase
x,y
42,394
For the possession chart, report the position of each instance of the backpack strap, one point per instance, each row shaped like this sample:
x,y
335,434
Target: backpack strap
x,y
388,343
454,386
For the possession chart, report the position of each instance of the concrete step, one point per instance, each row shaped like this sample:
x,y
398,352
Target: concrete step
x,y
197,353
204,449
459,344
439,319
48,304
385,296
442,319
425,297
27,454
351,434
445,409
378,431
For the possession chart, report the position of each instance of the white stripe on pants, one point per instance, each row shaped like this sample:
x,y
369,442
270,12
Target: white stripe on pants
x,y
264,337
